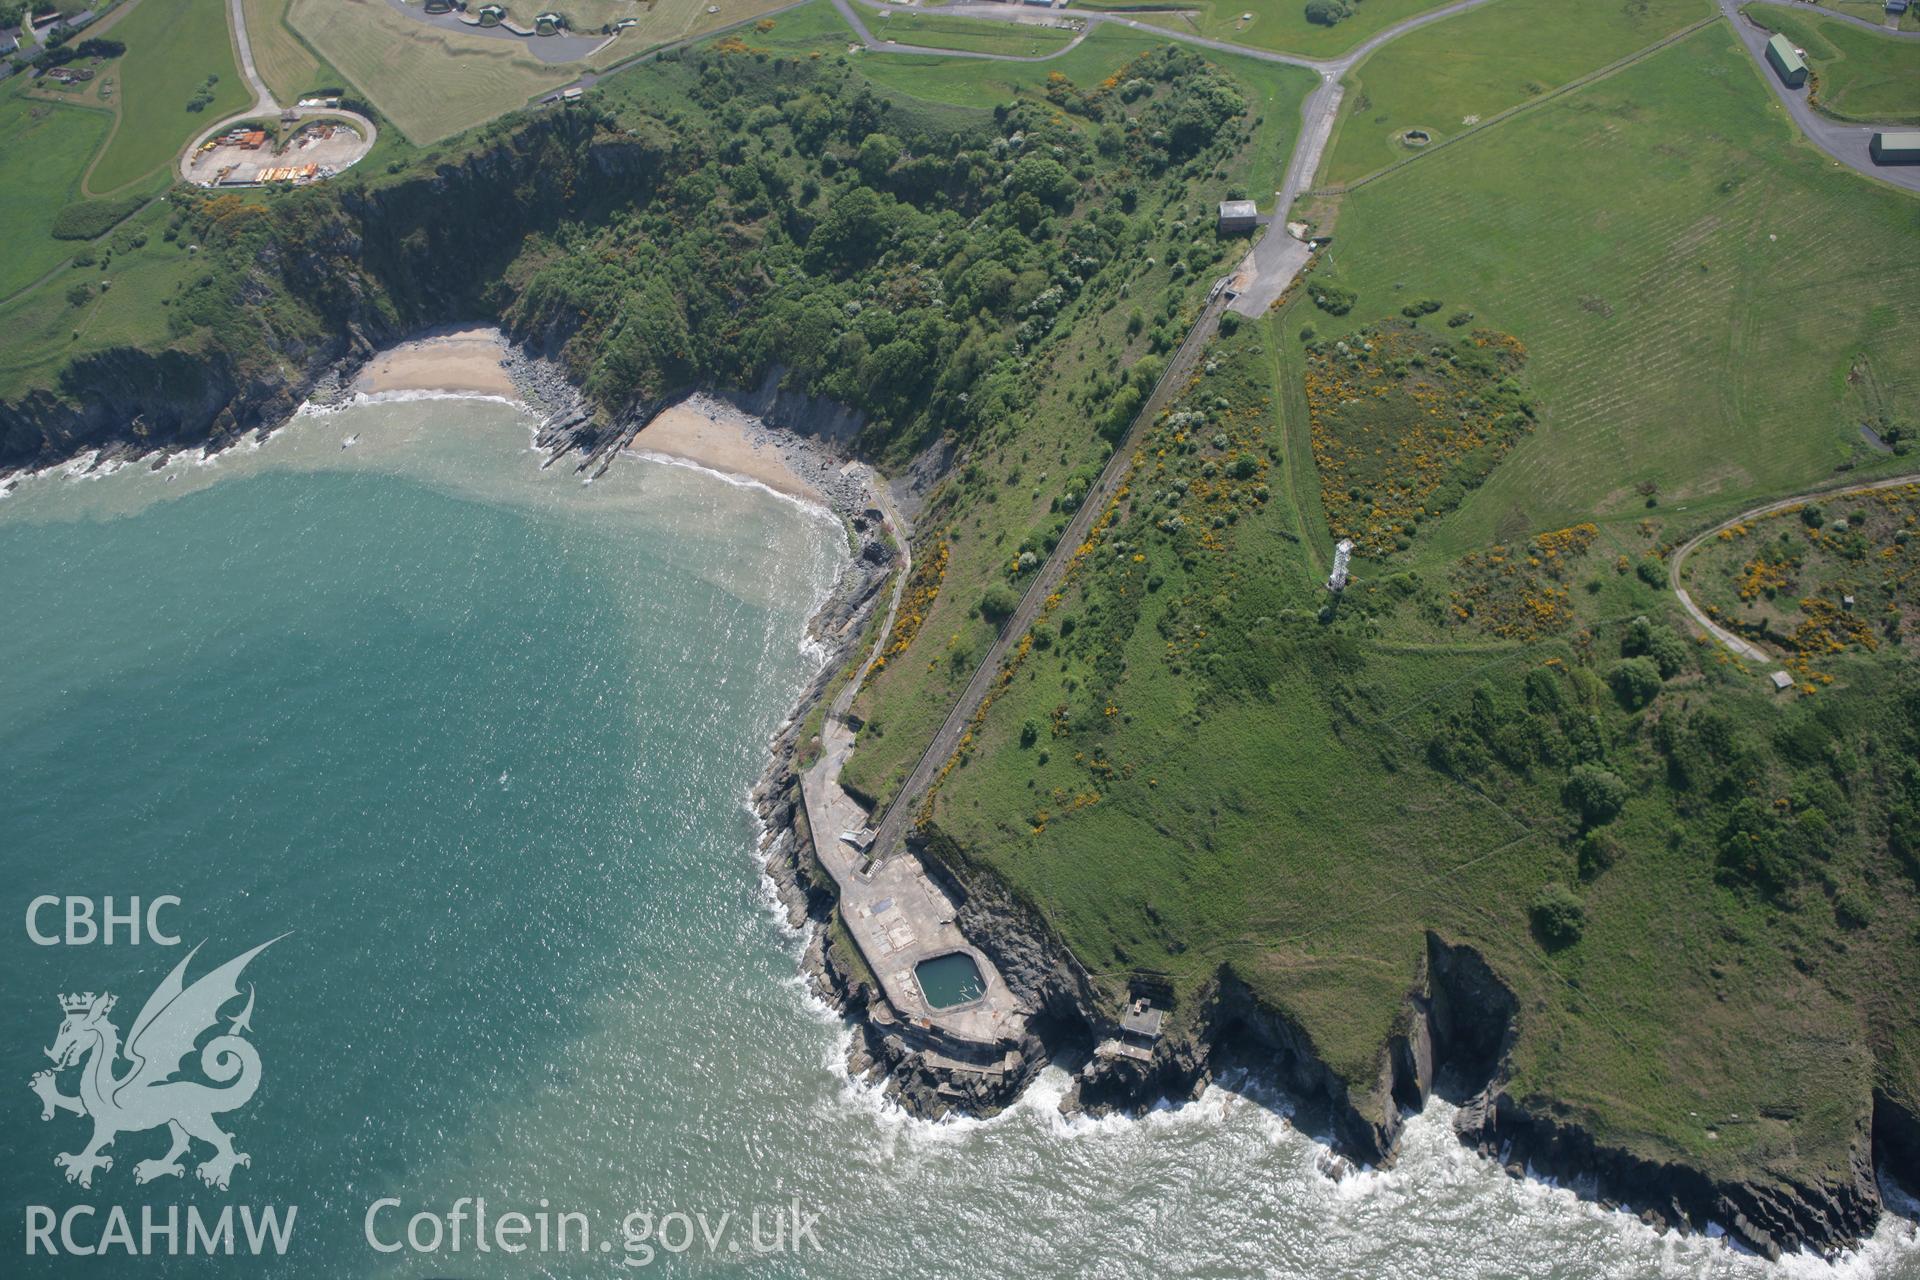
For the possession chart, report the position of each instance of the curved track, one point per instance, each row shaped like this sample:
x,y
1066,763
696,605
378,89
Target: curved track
x,y
1738,645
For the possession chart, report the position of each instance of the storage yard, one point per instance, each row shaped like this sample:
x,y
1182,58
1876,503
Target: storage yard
x,y
246,155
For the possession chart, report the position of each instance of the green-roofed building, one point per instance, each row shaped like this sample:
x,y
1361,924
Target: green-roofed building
x,y
1895,147
1787,62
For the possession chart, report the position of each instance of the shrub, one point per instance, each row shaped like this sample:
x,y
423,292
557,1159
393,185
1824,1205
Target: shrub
x,y
1029,733
1424,307
1651,571
1599,852
1852,909
1812,516
1595,794
1327,12
1668,651
1335,300
1229,323
1635,681
999,602
1459,319
90,218
1558,916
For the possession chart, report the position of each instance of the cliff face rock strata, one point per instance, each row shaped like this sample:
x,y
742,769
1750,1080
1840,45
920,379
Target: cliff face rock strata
x,y
1455,1035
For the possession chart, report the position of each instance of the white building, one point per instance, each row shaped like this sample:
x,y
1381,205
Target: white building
x,y
1342,553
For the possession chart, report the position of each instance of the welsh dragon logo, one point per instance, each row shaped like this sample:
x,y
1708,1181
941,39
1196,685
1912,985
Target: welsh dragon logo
x,y
146,1094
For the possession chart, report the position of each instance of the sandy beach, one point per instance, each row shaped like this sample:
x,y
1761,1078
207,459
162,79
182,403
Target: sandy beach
x,y
700,429
705,432
452,360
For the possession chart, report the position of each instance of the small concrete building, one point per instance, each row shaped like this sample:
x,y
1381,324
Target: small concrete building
x,y
1787,63
492,15
1239,215
1890,147
1781,681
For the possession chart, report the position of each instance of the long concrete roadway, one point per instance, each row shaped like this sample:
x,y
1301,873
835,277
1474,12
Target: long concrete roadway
x,y
891,833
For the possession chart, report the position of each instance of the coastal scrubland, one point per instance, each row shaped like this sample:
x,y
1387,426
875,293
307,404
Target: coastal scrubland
x,y
1015,500
1703,893
1855,74
1816,580
1443,79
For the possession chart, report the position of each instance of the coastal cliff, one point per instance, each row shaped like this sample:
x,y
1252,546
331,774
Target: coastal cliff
x,y
311,290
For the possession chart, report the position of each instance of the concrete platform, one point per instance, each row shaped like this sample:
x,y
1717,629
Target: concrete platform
x,y
897,915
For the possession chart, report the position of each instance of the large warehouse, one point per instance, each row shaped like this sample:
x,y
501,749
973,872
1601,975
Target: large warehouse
x,y
1787,61
1902,147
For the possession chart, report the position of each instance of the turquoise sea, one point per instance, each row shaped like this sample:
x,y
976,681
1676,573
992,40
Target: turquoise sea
x,y
475,737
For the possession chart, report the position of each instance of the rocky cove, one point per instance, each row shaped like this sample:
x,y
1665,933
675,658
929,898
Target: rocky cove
x,y
384,272
1459,1021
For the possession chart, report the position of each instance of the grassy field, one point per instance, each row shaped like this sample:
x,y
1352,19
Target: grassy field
x,y
127,288
289,66
1027,39
47,148
665,21
1688,277
431,83
1467,68
1875,11
1281,25
1859,75
966,83
172,49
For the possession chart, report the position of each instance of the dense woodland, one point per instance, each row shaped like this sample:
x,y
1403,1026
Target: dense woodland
x,y
781,217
